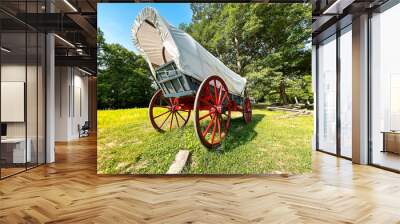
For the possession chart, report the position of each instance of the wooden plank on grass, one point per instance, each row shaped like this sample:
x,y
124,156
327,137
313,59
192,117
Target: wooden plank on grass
x,y
302,111
179,162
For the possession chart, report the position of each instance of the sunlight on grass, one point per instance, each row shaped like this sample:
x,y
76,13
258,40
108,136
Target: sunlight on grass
x,y
273,141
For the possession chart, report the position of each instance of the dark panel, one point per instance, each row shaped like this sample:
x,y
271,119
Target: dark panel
x,y
331,30
49,22
207,1
79,61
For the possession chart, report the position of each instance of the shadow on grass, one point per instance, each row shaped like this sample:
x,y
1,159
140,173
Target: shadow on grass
x,y
240,133
260,106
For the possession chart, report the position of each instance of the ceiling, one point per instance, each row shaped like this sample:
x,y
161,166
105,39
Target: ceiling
x,y
73,21
330,15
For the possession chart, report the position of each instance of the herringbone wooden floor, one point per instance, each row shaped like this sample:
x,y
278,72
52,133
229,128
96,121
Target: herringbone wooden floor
x,y
69,191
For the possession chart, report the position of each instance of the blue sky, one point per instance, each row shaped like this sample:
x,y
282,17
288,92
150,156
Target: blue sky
x,y
116,19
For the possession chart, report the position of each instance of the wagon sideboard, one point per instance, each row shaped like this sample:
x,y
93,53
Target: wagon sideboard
x,y
176,84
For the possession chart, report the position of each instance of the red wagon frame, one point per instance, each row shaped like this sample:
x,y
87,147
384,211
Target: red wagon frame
x,y
210,100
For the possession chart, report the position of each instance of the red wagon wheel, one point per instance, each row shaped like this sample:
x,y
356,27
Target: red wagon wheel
x,y
212,112
247,113
167,113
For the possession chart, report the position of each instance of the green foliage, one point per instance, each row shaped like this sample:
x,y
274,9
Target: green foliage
x,y
301,89
258,81
267,43
123,77
273,141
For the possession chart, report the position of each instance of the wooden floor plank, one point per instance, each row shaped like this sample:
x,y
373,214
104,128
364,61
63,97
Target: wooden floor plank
x,y
70,191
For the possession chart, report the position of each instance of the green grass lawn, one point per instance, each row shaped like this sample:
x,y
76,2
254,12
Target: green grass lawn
x,y
273,142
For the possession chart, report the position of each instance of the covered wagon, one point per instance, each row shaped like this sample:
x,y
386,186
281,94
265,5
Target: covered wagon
x,y
189,78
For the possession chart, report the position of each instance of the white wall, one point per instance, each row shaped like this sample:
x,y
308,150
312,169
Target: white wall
x,y
62,82
80,110
71,102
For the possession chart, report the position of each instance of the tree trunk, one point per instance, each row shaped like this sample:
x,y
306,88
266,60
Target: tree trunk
x,y
238,61
282,93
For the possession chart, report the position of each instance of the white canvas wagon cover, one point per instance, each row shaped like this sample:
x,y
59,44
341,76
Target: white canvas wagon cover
x,y
159,42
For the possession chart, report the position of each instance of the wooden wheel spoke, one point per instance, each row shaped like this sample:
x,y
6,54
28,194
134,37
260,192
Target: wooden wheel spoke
x,y
161,114
213,132
208,128
165,120
176,118
210,94
224,97
172,119
181,116
222,123
204,116
219,128
215,92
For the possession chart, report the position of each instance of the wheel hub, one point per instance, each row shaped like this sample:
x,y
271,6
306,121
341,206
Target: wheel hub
x,y
219,109
216,109
212,110
175,108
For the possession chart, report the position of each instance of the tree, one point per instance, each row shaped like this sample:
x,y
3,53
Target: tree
x,y
269,44
123,77
257,81
269,41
